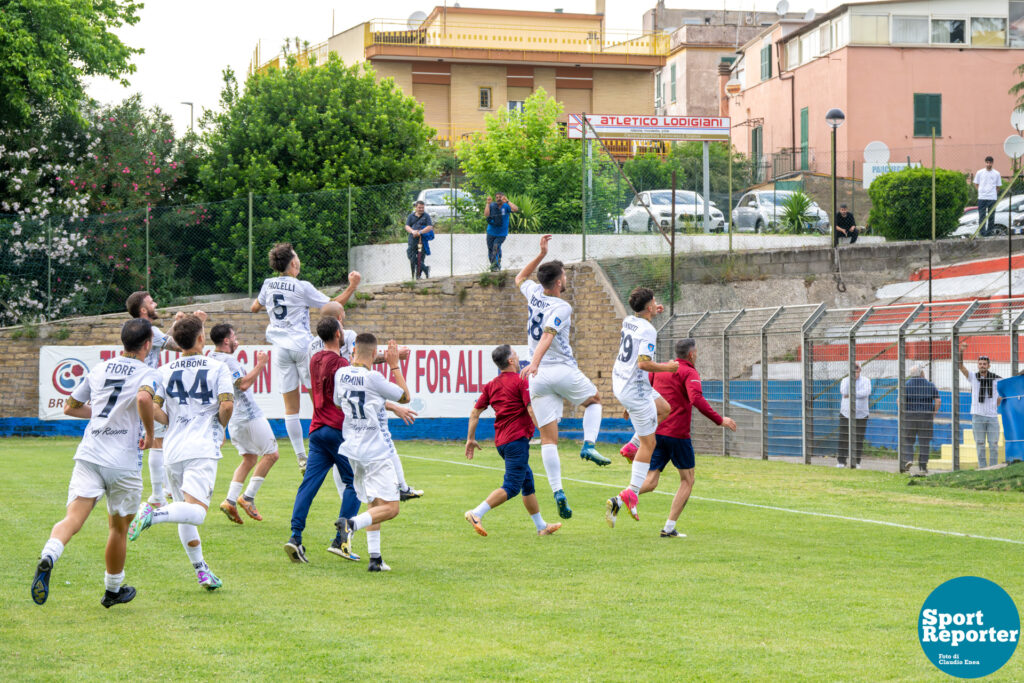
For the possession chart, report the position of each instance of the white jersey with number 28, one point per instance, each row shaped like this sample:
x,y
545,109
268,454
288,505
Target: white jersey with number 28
x,y
548,314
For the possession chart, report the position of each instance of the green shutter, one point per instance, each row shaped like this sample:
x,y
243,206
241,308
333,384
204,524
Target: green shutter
x,y
672,87
935,114
766,62
804,160
927,113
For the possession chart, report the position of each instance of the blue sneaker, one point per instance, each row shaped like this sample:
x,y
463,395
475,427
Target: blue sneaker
x,y
589,452
564,511
142,521
41,583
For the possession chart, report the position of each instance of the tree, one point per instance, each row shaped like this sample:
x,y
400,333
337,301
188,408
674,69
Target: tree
x,y
48,47
901,203
527,154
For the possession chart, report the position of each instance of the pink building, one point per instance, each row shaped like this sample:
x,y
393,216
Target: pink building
x,y
897,69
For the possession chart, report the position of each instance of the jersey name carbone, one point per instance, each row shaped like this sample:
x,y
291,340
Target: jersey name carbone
x,y
638,340
548,314
191,389
246,408
288,301
361,394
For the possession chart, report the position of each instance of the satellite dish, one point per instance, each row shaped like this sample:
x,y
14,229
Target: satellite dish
x,y
1014,146
415,19
810,15
876,152
1017,119
782,8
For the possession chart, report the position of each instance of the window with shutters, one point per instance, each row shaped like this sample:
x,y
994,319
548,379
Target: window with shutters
x,y
657,89
766,62
927,115
672,82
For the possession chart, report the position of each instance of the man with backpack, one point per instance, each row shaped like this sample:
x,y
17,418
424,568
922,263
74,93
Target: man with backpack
x,y
497,213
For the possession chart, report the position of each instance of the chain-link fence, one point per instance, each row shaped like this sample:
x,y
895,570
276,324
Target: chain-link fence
x,y
924,381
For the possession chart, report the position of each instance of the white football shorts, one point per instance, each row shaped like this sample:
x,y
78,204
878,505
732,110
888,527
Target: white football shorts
x,y
123,488
554,383
254,437
374,479
291,368
195,477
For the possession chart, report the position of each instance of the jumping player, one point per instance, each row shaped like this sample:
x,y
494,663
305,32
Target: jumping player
x,y
509,394
108,460
555,375
632,386
250,431
287,301
197,395
362,393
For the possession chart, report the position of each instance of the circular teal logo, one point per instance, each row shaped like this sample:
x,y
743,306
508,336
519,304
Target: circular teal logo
x,y
969,627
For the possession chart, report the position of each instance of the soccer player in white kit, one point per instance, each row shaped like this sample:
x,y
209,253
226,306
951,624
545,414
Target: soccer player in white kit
x,y
108,460
362,393
287,301
197,398
141,305
250,431
553,372
631,384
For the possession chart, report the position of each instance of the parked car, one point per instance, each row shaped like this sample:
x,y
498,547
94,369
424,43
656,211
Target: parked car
x,y
689,212
438,201
761,211
969,221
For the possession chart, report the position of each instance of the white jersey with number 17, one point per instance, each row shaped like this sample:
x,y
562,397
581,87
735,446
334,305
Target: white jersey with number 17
x,y
548,314
191,389
288,301
361,394
637,342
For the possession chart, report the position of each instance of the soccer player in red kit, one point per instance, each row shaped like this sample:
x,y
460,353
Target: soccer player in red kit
x,y
509,395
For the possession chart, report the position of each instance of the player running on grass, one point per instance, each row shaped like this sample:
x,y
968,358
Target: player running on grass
x,y
197,397
509,394
287,301
108,460
552,372
682,390
632,386
362,394
250,431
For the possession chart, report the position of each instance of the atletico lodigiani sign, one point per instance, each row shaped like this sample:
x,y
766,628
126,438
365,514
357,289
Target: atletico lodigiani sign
x,y
628,127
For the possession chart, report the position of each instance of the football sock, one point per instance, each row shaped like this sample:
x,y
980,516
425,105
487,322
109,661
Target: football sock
x,y
338,482
180,513
53,549
293,425
254,486
188,533
482,509
637,476
635,440
113,581
361,521
397,463
591,422
670,525
373,543
539,522
156,472
552,465
234,488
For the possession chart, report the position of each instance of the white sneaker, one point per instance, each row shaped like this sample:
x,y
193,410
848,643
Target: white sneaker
x,y
302,460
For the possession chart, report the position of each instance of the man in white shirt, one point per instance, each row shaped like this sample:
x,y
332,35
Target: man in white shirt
x,y
863,389
987,182
984,407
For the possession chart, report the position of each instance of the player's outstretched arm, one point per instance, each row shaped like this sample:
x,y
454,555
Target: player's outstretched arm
x,y
243,383
407,415
528,269
75,408
538,354
354,278
391,356
144,404
256,306
650,366
471,443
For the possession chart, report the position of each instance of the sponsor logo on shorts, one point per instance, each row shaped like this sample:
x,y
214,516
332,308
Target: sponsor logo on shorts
x,y
68,374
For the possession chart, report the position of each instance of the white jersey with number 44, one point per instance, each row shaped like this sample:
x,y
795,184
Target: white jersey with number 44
x,y
548,314
191,389
361,394
638,341
288,301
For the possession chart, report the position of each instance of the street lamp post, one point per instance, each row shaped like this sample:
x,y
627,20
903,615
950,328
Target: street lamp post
x,y
834,118
190,118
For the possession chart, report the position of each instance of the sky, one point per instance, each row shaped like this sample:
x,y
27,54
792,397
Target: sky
x,y
188,43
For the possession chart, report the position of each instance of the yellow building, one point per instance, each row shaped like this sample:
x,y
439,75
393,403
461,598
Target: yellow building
x,y
464,63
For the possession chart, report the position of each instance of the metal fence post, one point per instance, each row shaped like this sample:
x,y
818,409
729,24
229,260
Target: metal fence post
x,y
147,247
725,376
49,267
764,381
250,244
451,231
807,383
348,228
1015,344
583,188
851,420
956,361
901,383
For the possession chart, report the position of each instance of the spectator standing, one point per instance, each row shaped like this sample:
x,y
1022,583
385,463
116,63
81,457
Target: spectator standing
x,y
984,407
987,182
920,404
863,393
421,230
497,213
846,225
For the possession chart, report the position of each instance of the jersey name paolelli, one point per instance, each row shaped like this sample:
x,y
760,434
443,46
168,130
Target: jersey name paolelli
x,y
361,394
638,340
191,389
288,301
246,408
548,314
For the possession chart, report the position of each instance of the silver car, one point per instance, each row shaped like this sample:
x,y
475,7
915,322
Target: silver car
x,y
1001,218
439,202
652,210
761,211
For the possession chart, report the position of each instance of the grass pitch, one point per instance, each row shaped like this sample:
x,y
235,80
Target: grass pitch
x,y
754,592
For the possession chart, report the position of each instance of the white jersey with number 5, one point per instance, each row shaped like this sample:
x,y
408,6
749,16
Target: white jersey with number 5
x,y
638,342
191,390
111,438
361,394
548,314
288,301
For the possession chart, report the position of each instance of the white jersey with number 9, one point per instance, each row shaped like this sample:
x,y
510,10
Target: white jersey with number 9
x,y
638,341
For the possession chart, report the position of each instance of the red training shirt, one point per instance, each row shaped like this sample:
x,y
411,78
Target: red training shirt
x,y
322,367
509,394
682,391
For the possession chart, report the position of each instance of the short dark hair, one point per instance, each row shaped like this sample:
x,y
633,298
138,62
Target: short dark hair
x,y
134,303
366,341
549,273
134,334
639,298
842,206
281,255
327,328
684,346
989,159
186,331
220,332
418,202
500,355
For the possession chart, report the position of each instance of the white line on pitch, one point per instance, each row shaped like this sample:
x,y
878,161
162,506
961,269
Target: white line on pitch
x,y
749,505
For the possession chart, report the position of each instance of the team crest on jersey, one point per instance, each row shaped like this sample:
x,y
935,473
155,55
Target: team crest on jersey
x,y
650,347
68,374
558,321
